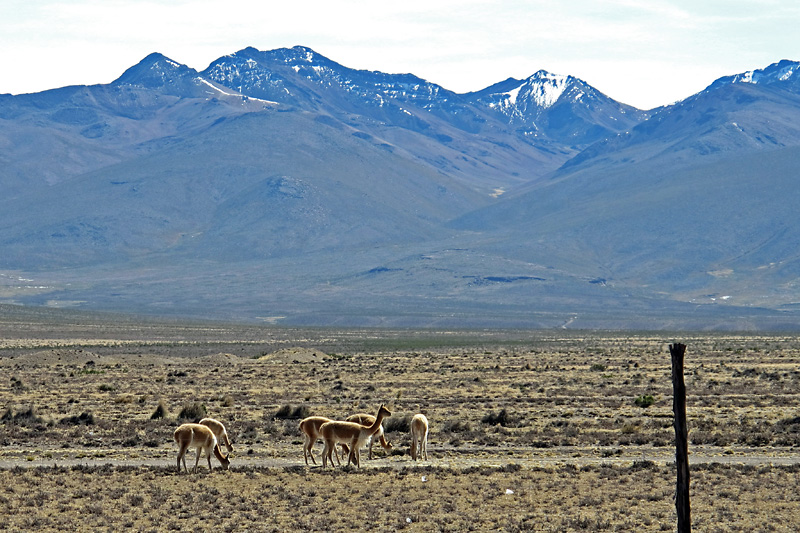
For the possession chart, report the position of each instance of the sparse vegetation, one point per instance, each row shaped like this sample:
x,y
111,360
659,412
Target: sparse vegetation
x,y
160,412
502,418
645,400
572,444
287,412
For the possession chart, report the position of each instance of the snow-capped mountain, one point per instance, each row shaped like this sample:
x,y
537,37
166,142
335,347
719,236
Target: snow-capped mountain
x,y
562,108
283,184
784,73
756,111
552,107
285,75
305,79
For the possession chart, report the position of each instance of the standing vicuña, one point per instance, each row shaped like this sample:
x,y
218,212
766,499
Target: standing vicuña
x,y
419,437
200,437
367,420
350,433
310,429
219,431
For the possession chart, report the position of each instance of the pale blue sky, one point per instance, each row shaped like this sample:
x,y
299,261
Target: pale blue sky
x,y
643,53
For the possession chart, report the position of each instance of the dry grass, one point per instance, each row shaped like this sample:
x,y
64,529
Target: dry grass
x,y
592,498
529,430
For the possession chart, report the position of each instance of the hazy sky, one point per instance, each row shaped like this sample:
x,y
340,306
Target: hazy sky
x,y
643,53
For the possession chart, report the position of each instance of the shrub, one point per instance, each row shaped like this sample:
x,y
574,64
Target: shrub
x,y
194,411
83,419
401,424
645,400
26,417
160,412
502,418
457,426
287,412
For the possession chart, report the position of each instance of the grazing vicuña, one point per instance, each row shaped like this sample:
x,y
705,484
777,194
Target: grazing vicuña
x,y
200,437
219,431
367,420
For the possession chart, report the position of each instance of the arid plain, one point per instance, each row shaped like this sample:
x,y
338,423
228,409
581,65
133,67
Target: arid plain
x,y
530,430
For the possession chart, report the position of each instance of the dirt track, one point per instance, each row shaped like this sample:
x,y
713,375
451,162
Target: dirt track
x,y
438,458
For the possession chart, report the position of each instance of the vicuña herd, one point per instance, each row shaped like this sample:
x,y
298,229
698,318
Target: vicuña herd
x,y
351,434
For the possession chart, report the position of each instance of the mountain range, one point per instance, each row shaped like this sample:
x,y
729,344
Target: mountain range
x,y
281,186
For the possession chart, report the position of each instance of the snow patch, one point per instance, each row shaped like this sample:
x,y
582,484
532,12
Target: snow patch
x,y
512,95
547,88
787,73
220,91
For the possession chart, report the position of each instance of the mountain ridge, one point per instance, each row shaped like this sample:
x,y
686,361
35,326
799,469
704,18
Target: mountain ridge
x,y
283,184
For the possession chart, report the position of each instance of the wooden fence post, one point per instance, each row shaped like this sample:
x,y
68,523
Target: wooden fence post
x,y
677,352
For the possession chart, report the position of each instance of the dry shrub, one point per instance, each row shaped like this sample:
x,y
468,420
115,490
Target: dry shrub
x,y
401,424
25,417
502,418
457,426
287,412
83,419
193,411
160,412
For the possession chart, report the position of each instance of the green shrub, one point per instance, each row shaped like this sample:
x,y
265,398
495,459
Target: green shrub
x,y
645,400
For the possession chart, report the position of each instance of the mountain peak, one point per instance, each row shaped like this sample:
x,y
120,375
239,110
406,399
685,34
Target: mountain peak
x,y
542,89
155,70
545,88
784,71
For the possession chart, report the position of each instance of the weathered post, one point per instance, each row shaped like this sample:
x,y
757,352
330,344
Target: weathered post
x,y
677,351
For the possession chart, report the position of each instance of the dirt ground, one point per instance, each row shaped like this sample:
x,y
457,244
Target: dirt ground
x,y
530,431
